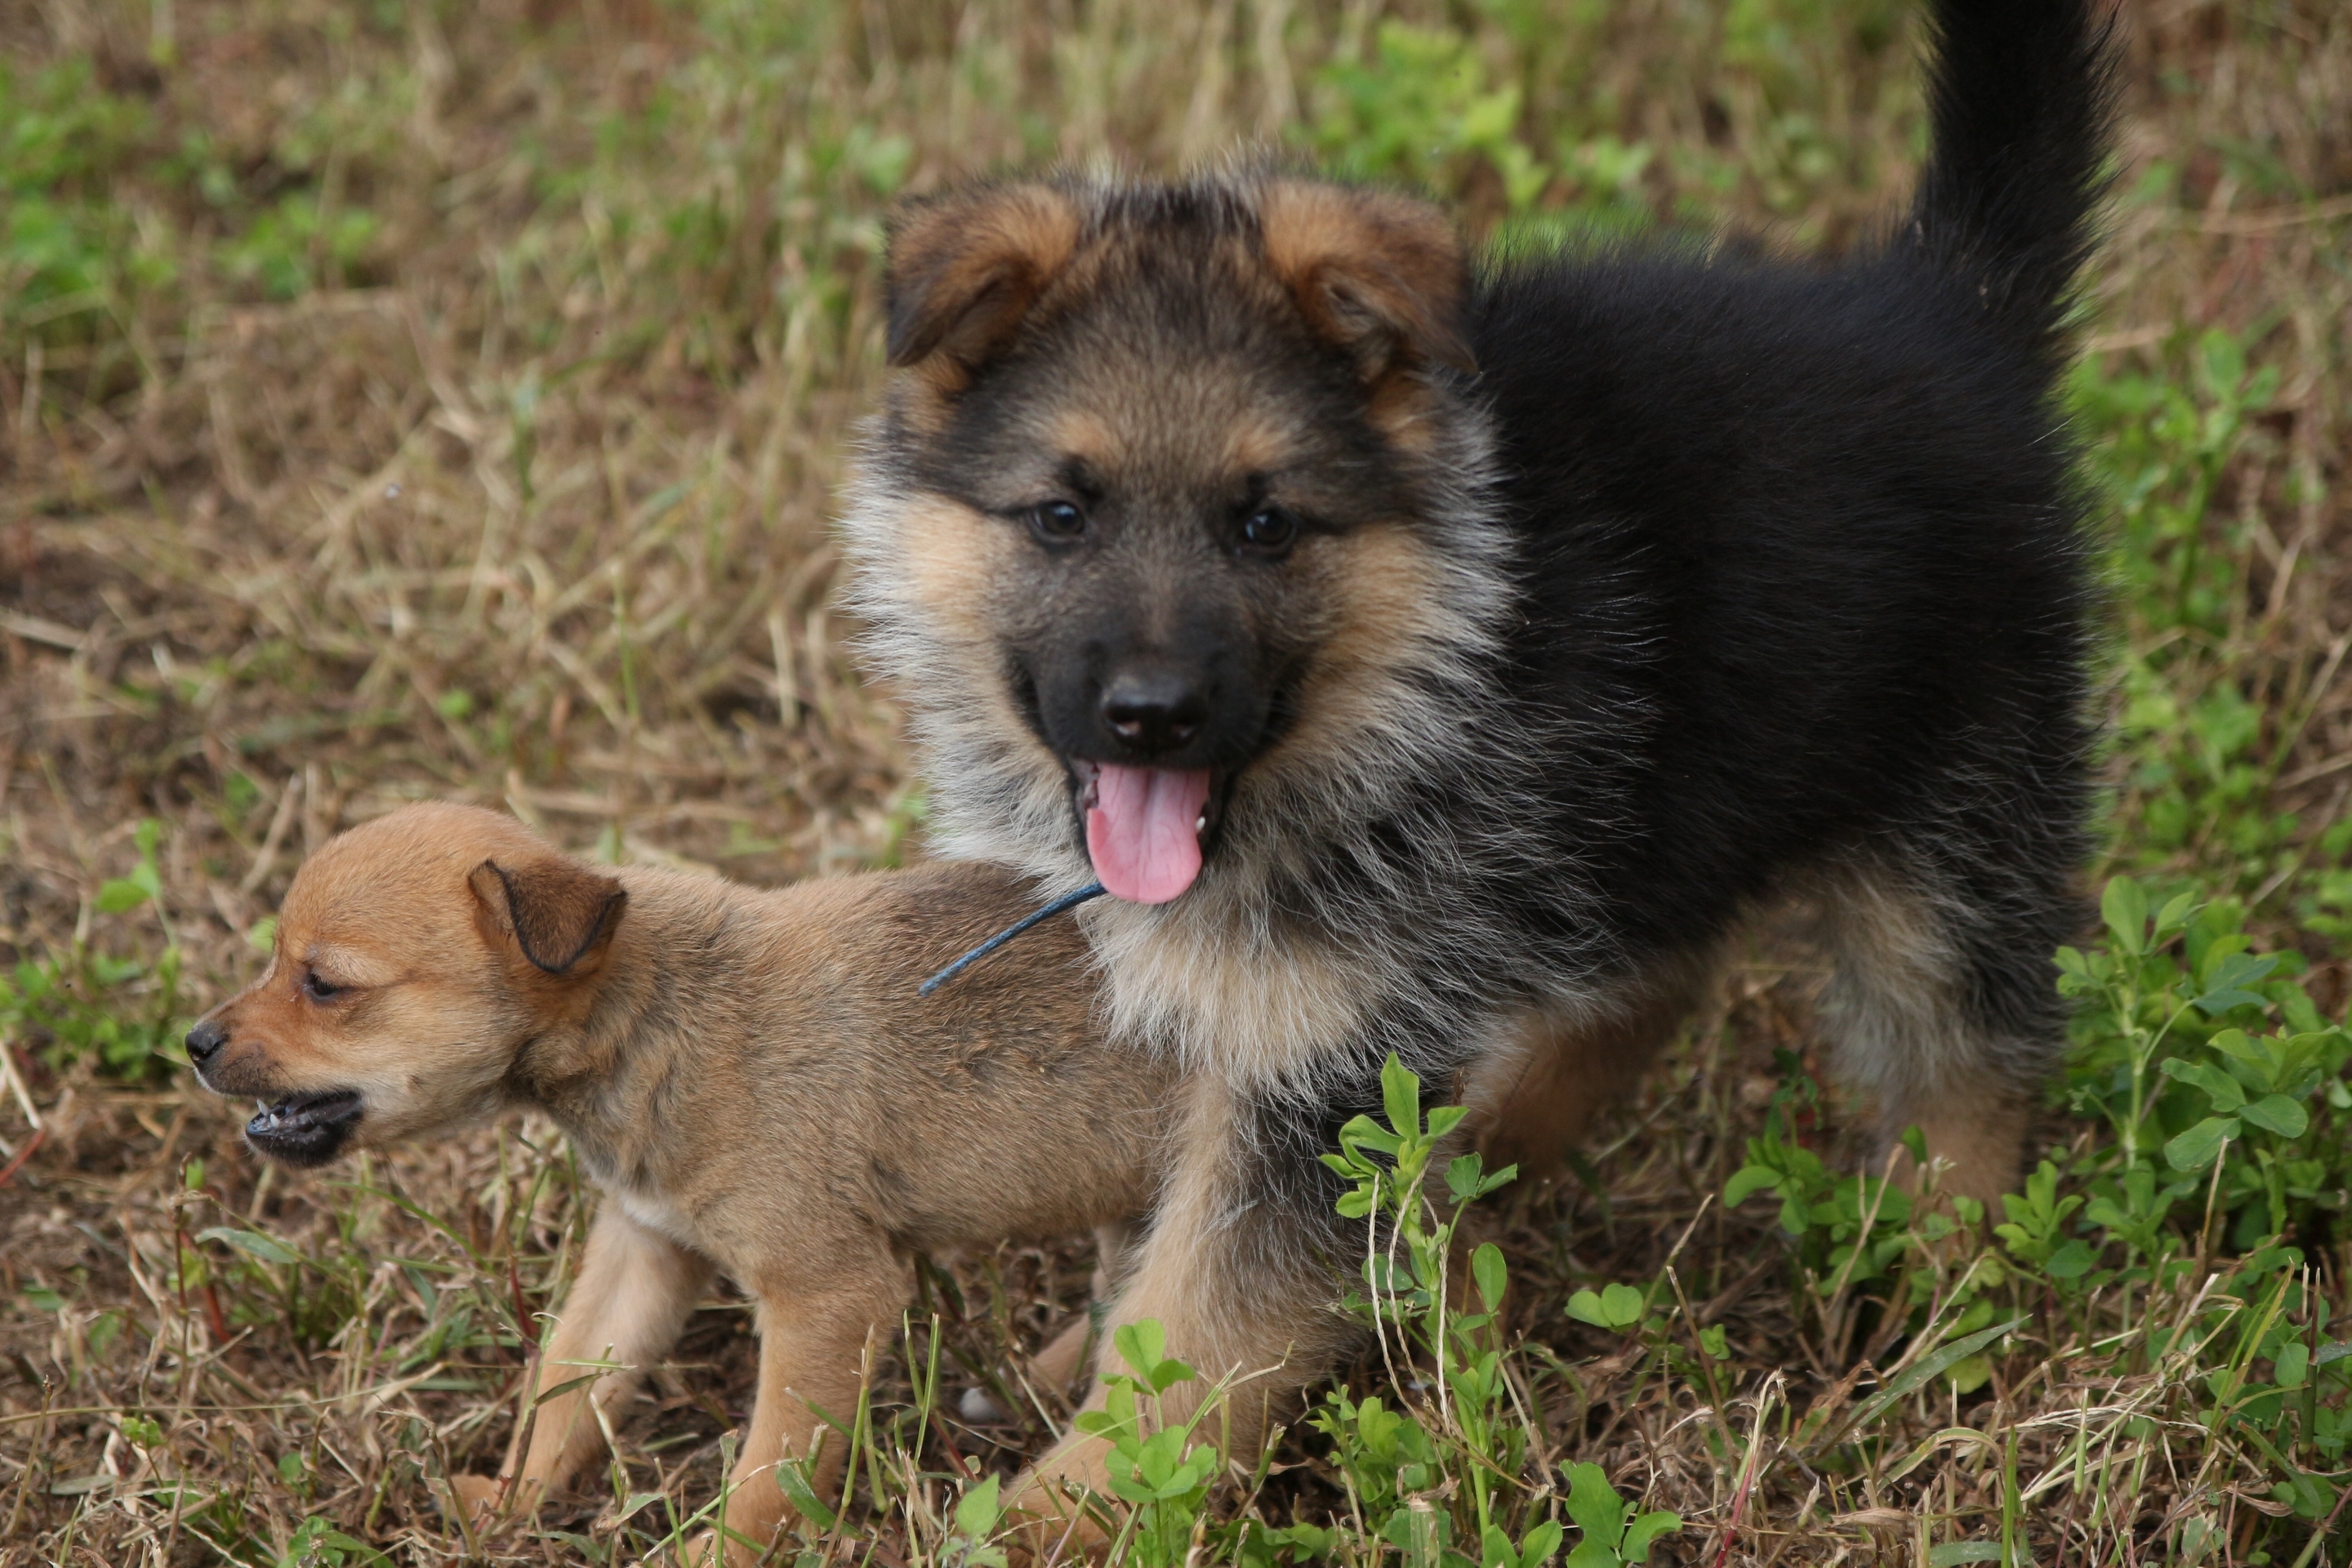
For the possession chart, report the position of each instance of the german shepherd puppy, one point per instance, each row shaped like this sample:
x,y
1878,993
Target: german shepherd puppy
x,y
1438,659
749,1075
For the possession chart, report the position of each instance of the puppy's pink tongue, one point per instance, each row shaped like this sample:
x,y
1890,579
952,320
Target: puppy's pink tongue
x,y
1141,833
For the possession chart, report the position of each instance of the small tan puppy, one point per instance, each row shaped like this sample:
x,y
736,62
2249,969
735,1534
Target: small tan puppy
x,y
749,1076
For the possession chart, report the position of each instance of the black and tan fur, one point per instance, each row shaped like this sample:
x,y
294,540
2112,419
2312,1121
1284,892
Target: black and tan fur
x,y
1529,623
749,1077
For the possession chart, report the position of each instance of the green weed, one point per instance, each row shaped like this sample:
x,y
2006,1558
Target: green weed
x,y
1419,109
1469,1440
2170,1253
122,1014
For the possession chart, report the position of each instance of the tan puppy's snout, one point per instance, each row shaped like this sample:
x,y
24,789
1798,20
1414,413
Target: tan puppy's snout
x,y
227,1061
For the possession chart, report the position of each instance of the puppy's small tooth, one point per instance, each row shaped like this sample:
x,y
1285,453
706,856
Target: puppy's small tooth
x,y
978,1408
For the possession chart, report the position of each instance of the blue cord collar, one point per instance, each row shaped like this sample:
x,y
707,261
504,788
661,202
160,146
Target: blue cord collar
x,y
1066,902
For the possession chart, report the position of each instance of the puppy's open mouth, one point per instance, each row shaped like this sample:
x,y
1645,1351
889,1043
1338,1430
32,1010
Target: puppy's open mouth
x,y
1147,828
305,1128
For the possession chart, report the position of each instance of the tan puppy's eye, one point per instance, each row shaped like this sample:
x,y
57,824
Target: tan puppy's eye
x,y
319,988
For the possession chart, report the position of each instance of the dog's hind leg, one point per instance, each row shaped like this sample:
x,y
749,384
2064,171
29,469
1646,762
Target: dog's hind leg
x,y
1532,1098
1943,1008
626,1308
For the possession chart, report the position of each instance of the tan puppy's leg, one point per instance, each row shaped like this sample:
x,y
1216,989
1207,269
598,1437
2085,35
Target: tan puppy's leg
x,y
635,1291
1261,1326
1056,1366
812,1347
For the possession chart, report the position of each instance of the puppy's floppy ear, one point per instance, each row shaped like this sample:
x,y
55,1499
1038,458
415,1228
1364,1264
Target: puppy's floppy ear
x,y
559,912
965,268
1381,275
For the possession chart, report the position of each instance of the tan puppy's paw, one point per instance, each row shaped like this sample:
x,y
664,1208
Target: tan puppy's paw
x,y
489,1500
483,1498
707,1551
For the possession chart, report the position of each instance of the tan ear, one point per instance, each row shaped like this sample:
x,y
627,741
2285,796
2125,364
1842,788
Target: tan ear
x,y
964,268
1379,275
559,912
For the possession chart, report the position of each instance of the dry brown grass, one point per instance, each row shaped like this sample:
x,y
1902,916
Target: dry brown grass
x,y
524,501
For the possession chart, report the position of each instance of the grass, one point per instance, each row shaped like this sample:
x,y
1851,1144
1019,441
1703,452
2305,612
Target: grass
x,y
408,400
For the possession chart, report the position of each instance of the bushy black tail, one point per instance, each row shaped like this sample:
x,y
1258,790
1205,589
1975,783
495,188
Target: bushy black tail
x,y
2019,99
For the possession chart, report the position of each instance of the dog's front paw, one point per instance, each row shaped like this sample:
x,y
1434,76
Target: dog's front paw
x,y
705,1551
1055,1512
482,1498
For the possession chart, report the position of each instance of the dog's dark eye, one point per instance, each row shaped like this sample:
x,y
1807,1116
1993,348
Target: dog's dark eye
x,y
319,989
1057,522
1269,530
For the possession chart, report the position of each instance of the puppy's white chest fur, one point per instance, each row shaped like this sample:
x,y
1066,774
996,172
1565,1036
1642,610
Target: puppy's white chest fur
x,y
649,1208
656,1213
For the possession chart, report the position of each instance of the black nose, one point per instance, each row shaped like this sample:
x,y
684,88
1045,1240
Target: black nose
x,y
205,1041
1154,711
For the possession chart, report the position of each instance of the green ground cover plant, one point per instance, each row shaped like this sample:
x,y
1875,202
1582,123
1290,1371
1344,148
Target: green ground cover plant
x,y
413,399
